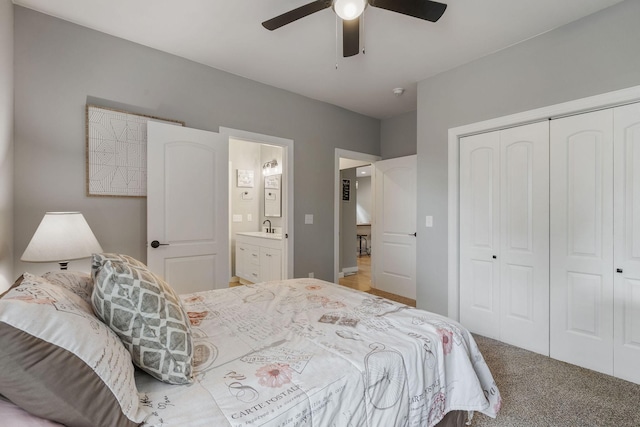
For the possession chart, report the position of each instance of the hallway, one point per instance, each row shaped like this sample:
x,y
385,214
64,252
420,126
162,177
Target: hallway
x,y
362,282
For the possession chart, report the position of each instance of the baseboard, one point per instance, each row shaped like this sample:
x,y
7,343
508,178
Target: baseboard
x,y
347,271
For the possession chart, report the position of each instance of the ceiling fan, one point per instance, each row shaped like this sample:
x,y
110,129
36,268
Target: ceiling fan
x,y
351,10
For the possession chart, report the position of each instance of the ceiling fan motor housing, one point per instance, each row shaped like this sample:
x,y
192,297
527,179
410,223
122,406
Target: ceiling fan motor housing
x,y
349,9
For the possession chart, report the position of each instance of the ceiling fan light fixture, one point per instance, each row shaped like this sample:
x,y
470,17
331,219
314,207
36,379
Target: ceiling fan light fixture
x,y
349,9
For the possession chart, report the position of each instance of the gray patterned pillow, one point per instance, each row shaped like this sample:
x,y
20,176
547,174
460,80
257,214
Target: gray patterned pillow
x,y
148,317
98,261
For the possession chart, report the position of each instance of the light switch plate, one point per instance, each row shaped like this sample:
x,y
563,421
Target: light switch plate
x,y
308,219
237,217
429,221
249,217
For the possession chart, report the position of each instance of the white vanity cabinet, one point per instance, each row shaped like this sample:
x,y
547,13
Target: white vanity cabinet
x,y
258,256
270,264
247,261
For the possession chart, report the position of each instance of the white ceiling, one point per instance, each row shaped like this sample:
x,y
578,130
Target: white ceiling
x,y
301,57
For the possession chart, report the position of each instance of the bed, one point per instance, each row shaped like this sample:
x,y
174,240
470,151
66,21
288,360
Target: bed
x,y
299,352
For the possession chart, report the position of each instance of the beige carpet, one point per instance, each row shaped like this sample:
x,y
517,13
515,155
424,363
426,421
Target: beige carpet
x,y
540,391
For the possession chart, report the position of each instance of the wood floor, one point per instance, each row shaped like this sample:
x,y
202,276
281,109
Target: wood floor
x,y
362,282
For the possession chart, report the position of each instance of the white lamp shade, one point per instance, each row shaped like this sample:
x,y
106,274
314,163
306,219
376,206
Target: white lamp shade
x,y
61,236
349,9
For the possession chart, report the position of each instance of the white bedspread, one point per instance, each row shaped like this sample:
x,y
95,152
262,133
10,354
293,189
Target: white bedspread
x,y
304,352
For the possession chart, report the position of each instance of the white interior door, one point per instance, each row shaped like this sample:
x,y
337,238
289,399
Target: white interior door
x,y
480,233
187,207
581,241
627,242
394,241
504,235
524,236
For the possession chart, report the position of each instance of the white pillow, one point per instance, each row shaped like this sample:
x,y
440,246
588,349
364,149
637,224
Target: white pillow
x,y
60,362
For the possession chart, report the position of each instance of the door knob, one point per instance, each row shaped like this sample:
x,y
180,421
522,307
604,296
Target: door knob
x,y
155,244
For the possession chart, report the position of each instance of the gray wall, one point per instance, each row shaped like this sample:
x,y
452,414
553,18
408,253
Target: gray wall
x,y
597,54
398,136
59,67
348,231
6,144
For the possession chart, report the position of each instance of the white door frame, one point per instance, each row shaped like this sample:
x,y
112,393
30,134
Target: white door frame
x,y
346,154
287,201
606,100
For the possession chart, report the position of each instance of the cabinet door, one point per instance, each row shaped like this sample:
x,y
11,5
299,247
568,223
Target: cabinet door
x,y
581,241
247,262
270,264
627,242
240,267
252,263
524,236
479,233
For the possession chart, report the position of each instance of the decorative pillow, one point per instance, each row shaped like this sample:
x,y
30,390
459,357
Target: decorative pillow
x,y
77,282
98,260
59,362
148,317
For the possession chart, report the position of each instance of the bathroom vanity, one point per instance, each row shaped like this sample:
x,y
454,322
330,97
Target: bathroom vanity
x,y
259,256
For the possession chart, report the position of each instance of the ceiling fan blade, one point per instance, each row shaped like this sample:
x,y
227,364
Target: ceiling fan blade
x,y
295,14
350,37
422,9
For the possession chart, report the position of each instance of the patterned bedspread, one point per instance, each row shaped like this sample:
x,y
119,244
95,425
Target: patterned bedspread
x,y
304,352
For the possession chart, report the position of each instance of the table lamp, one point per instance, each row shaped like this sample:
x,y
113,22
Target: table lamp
x,y
61,237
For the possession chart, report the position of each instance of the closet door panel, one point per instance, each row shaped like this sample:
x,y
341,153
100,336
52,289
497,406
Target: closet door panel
x,y
581,246
627,242
479,233
524,231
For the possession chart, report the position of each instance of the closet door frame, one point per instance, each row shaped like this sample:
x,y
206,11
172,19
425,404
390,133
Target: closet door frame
x,y
607,100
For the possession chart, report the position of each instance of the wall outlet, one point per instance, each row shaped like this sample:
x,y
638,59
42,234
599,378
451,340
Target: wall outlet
x,y
249,217
311,275
308,219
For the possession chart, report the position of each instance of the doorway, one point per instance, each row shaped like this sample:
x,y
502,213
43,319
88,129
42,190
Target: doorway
x,y
196,249
263,150
393,221
345,159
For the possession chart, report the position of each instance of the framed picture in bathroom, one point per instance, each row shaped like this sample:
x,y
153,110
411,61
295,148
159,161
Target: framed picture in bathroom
x,y
245,178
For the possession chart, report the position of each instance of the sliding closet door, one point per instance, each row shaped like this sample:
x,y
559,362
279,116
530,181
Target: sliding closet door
x,y
581,224
627,242
480,233
504,235
524,236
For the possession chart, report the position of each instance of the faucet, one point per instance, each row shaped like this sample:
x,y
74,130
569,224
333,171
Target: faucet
x,y
269,229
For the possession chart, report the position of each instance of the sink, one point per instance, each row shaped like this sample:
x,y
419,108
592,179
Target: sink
x,y
261,234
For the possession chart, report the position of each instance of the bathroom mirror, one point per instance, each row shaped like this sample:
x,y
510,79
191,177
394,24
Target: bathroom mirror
x,y
272,200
